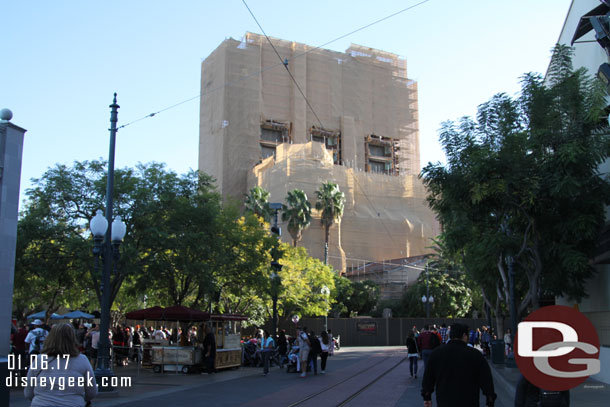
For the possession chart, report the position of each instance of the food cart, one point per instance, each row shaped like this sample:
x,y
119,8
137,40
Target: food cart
x,y
176,358
164,357
227,329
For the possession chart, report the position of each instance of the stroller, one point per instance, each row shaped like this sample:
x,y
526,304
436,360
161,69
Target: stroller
x,y
251,356
294,363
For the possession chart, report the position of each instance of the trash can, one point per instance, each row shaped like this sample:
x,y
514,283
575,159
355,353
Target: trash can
x,y
497,351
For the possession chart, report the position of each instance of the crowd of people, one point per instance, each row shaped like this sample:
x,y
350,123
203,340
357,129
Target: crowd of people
x,y
300,353
125,341
455,367
58,372
454,362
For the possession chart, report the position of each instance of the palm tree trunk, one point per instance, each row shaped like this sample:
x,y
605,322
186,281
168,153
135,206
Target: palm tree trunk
x,y
327,233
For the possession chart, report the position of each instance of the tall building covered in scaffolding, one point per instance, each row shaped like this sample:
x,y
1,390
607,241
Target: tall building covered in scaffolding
x,y
311,115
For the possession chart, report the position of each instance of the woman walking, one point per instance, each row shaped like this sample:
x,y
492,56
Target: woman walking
x,y
325,344
412,354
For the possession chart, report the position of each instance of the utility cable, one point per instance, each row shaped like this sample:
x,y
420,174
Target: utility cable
x,y
285,63
273,66
363,27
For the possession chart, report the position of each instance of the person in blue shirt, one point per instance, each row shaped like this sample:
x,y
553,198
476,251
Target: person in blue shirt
x,y
268,346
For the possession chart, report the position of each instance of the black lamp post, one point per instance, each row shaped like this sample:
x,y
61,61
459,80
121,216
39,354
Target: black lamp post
x,y
275,286
427,299
325,292
114,234
276,267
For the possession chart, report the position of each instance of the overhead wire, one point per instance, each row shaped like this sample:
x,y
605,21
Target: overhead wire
x,y
272,66
285,63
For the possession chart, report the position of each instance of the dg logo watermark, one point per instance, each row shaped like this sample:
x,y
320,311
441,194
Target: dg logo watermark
x,y
557,348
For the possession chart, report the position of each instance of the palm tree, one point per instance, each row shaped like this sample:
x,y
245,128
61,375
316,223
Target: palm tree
x,y
331,201
257,202
297,213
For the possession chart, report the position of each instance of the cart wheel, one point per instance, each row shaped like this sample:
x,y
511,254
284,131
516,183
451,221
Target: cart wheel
x,y
157,368
186,369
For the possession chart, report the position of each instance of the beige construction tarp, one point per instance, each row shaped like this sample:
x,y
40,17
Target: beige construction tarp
x,y
385,217
363,95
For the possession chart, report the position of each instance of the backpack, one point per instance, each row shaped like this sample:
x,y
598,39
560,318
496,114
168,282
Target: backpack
x,y
315,344
548,398
38,340
472,337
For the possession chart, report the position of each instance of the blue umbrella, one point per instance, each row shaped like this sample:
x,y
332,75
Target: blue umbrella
x,y
78,314
41,315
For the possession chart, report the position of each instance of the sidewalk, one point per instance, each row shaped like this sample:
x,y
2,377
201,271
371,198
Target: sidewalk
x,y
589,394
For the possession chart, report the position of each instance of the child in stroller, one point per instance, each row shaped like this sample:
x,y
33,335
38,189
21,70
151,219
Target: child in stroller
x,y
294,362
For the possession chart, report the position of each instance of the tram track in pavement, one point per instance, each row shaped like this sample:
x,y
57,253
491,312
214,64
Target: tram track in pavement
x,y
354,394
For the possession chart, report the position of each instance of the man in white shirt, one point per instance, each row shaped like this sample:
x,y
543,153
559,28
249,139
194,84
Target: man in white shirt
x,y
36,337
159,335
94,334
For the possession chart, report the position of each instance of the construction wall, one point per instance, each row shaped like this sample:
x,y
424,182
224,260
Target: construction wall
x,y
385,216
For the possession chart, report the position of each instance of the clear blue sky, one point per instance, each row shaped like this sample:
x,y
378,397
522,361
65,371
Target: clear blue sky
x,y
62,61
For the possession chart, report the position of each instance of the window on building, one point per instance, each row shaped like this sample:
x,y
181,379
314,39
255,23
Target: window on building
x,y
267,151
331,140
381,155
274,136
318,139
378,167
377,151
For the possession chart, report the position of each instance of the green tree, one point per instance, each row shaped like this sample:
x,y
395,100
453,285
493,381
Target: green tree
x,y
47,273
302,279
331,202
178,229
59,207
364,297
257,202
341,295
452,296
297,213
241,267
522,180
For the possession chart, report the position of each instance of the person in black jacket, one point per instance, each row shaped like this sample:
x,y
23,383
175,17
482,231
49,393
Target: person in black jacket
x,y
315,350
456,372
209,348
413,354
282,344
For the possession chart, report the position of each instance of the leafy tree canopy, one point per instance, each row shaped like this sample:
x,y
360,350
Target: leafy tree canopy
x,y
522,180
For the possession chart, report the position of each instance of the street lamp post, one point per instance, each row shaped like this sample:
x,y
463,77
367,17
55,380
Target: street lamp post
x,y
276,267
275,283
326,292
114,234
427,299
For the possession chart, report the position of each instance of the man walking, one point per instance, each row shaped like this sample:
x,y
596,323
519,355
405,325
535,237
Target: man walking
x,y
456,372
427,341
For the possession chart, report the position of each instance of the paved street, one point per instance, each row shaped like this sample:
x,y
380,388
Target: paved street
x,y
348,371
